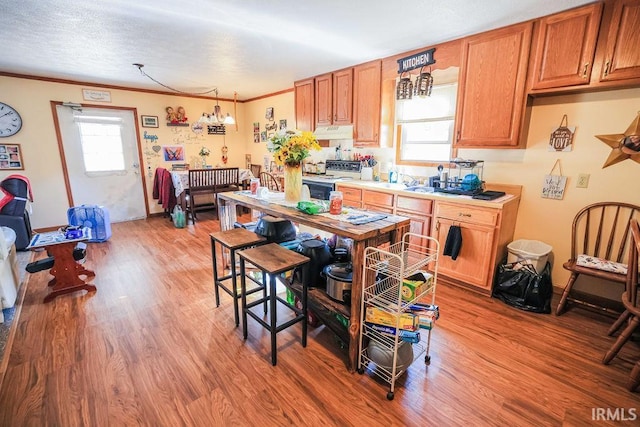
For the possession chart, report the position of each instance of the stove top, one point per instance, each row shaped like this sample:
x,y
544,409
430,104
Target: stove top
x,y
329,179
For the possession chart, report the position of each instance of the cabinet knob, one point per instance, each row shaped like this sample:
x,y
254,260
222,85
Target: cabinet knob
x,y
464,214
606,68
584,71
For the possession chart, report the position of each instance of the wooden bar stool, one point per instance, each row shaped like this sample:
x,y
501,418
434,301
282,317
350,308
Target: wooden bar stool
x,y
272,259
234,240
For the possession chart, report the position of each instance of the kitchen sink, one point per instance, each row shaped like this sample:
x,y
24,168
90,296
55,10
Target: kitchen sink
x,y
419,189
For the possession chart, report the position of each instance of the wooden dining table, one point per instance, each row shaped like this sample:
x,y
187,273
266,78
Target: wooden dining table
x,y
373,234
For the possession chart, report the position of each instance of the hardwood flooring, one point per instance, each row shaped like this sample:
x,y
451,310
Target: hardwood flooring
x,y
150,348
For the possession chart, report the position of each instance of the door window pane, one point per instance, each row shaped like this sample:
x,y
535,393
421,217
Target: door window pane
x,y
102,148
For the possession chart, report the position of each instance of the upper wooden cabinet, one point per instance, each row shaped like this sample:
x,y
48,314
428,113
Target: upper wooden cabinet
x,y
491,92
564,47
366,104
621,42
304,106
324,95
334,98
565,42
343,97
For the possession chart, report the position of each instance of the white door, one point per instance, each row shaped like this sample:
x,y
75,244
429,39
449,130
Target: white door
x,y
102,160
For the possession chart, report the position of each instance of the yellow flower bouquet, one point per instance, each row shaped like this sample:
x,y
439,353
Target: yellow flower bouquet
x,y
291,148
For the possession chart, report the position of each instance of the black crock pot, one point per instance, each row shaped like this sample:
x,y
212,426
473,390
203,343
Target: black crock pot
x,y
339,278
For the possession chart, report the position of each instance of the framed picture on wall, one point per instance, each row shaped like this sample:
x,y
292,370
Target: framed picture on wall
x,y
173,153
149,121
11,157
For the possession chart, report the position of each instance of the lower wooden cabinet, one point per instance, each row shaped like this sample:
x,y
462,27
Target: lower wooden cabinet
x,y
485,234
473,264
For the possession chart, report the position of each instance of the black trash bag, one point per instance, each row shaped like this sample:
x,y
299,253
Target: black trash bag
x,y
520,286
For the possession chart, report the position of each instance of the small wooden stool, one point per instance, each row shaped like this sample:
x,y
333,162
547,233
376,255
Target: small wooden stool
x,y
273,260
234,240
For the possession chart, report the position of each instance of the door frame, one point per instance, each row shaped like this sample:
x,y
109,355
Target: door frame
x,y
63,159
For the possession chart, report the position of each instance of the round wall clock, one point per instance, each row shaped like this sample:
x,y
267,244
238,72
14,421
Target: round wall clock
x,y
10,120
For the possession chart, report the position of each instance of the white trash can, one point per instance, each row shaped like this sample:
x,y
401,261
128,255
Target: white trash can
x,y
531,252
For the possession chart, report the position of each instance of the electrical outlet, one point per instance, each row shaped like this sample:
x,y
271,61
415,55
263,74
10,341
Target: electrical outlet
x,y
583,180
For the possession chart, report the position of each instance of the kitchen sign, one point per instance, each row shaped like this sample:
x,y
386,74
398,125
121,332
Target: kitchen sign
x,y
417,60
554,185
562,137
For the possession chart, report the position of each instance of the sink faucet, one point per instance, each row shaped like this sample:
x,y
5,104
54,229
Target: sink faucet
x,y
410,181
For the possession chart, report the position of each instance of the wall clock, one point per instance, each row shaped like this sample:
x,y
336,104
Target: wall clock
x,y
10,120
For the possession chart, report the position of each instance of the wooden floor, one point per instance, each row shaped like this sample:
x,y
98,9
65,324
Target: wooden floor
x,y
151,348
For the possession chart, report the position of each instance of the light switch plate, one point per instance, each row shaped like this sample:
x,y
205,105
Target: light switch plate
x,y
583,180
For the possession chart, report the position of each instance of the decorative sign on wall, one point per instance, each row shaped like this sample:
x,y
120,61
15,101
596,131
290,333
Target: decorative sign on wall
x,y
554,185
562,138
96,95
216,130
416,61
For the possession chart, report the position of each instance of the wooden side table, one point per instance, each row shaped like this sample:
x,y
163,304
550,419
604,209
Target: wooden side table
x,y
66,271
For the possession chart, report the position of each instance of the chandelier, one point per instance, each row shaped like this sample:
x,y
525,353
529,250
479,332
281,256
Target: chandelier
x,y
216,117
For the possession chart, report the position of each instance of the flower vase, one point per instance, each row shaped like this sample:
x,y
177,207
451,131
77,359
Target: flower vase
x,y
293,182
204,162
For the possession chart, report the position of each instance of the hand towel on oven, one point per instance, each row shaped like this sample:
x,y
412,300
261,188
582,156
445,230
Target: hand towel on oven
x,y
453,243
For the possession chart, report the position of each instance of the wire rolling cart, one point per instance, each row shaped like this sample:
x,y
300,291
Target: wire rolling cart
x,y
383,273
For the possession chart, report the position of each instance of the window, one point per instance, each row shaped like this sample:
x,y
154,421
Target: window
x,y
101,140
424,126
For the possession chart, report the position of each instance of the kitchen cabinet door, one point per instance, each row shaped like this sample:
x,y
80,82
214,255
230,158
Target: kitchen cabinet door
x,y
473,264
367,80
324,95
419,211
343,97
352,197
304,105
564,47
621,59
491,93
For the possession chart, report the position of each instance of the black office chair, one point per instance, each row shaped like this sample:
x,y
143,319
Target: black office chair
x,y
13,212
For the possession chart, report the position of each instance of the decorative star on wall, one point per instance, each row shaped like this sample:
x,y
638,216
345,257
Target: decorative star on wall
x,y
625,145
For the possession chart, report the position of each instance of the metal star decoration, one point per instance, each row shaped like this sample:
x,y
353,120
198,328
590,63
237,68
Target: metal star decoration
x,y
625,145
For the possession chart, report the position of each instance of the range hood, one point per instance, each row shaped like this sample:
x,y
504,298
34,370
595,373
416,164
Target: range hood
x,y
334,132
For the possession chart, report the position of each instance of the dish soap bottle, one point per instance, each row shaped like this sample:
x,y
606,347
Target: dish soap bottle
x,y
393,175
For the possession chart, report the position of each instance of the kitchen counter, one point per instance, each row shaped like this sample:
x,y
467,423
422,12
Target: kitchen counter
x,y
400,189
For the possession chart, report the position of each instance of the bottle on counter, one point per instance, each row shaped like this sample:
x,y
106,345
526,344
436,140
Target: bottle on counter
x,y
335,202
393,175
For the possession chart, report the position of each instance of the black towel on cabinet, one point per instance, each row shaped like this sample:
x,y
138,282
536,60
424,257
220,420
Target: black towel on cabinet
x,y
453,243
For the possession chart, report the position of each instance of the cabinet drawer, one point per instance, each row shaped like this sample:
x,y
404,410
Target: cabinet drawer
x,y
377,198
467,214
422,206
351,194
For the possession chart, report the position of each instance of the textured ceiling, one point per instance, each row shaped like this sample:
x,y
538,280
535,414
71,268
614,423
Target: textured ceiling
x,y
250,47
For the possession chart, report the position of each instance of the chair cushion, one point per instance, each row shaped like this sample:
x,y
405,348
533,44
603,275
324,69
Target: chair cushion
x,y
601,264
